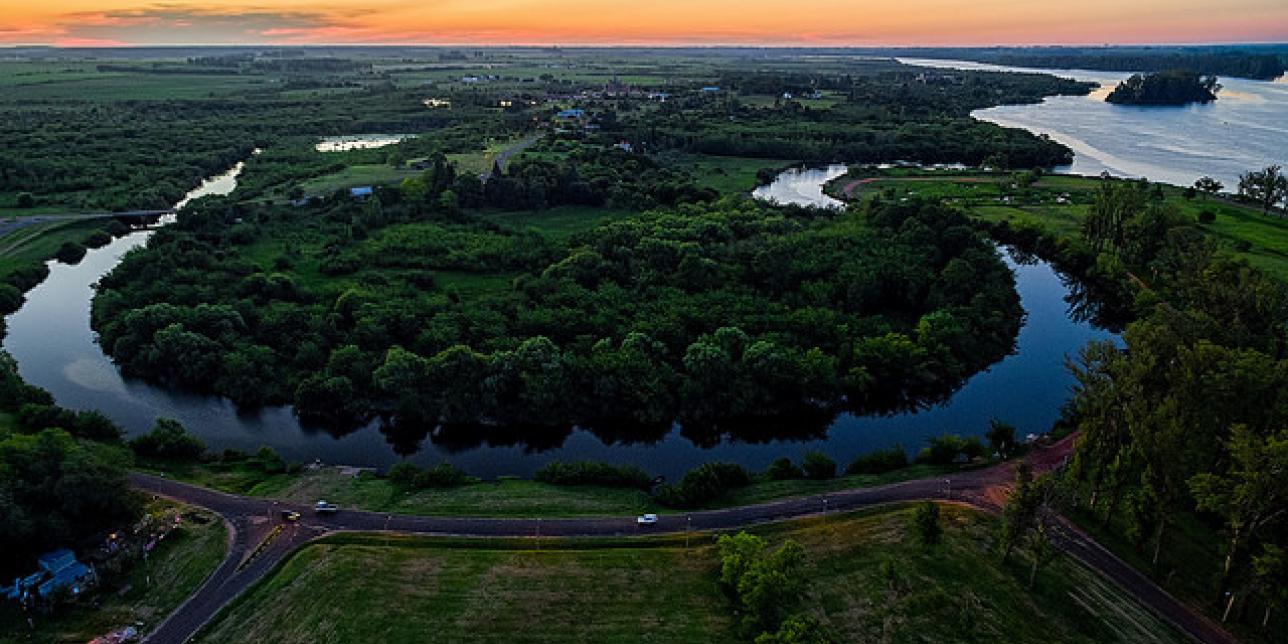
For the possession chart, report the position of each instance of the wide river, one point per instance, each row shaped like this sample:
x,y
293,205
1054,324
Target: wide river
x,y
1246,128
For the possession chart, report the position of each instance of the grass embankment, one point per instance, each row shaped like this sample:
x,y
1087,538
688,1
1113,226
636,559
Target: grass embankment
x,y
868,581
39,242
177,566
504,497
1243,230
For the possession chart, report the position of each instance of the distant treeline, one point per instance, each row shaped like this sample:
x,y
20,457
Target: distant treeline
x,y
1262,63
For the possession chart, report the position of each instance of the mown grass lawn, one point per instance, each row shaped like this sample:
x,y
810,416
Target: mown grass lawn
x,y
869,581
174,571
504,497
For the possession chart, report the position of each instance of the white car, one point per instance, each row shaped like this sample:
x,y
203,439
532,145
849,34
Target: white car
x,y
646,519
322,507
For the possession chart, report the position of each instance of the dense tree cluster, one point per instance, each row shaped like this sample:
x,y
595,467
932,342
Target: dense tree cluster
x,y
1174,87
703,312
1167,425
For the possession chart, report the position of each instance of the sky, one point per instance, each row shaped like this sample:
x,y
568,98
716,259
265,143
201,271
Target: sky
x,y
645,22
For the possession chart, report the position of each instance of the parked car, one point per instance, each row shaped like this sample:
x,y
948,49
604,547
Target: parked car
x,y
290,515
646,519
322,507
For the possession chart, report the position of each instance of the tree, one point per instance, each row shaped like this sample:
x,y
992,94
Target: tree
x,y
1250,496
1020,511
1266,188
925,523
168,440
798,629
818,465
1208,186
1001,437
766,585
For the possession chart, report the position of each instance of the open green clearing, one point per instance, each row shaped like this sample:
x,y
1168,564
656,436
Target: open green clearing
x,y
1259,238
178,565
868,581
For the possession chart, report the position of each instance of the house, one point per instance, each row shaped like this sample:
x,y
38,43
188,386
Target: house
x,y
710,89
574,114
361,193
58,569
624,146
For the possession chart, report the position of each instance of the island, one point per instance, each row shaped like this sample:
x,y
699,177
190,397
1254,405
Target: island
x,y
1175,87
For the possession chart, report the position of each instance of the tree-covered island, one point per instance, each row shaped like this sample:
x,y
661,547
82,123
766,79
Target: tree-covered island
x,y
1176,87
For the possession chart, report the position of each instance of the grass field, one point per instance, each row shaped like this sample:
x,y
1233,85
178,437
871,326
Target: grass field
x,y
868,581
1247,232
39,242
558,223
173,572
355,175
504,497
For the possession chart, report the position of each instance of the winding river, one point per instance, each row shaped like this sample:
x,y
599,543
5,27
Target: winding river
x,y
51,338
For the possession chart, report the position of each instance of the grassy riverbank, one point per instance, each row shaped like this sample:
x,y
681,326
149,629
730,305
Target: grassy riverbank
x,y
504,497
1056,204
868,581
152,591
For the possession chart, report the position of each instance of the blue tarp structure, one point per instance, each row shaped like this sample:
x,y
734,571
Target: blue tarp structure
x,y
58,569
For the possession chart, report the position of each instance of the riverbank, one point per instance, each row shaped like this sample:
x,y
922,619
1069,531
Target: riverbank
x,y
1056,204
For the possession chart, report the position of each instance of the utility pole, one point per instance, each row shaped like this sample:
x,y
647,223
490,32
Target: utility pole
x,y
688,522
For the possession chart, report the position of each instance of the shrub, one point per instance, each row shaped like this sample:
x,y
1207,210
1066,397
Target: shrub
x,y
818,466
879,461
268,460
26,200
168,440
704,484
1207,217
98,239
925,523
783,469
593,473
403,474
10,298
441,475
70,252
1242,245
1001,437
944,450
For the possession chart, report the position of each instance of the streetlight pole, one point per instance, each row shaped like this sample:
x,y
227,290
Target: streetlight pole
x,y
688,522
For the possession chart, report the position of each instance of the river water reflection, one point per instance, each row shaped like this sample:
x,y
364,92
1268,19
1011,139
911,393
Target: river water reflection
x,y
56,349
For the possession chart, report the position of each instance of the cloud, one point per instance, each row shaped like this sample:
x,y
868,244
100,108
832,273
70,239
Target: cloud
x,y
187,24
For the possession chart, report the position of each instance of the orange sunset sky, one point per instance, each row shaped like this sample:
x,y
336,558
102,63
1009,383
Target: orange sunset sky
x,y
661,22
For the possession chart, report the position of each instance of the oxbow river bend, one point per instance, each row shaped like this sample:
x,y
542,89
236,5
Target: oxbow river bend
x,y
51,338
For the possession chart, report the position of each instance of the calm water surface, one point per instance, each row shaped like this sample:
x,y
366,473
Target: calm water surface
x,y
55,348
1246,128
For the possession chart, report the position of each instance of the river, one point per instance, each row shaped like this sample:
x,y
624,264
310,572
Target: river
x,y
1246,128
55,348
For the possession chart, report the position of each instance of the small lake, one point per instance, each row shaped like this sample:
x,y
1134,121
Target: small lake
x,y
1246,128
359,142
55,348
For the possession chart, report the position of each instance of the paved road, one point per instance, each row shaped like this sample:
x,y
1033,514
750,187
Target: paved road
x,y
503,157
253,520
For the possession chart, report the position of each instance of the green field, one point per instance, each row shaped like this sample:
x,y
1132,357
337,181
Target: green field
x,y
1244,230
37,243
504,497
153,590
868,581
353,176
558,223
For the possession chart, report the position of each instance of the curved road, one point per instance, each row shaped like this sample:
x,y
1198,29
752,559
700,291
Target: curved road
x,y
260,539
